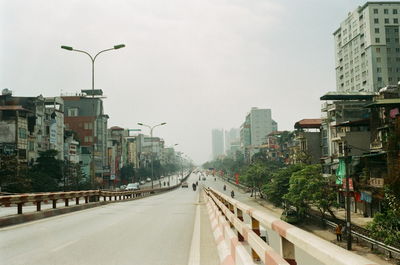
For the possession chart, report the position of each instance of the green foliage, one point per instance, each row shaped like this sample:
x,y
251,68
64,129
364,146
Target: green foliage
x,y
386,225
309,188
47,174
259,173
127,173
13,177
228,165
278,186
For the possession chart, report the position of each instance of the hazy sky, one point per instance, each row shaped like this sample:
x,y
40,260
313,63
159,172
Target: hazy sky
x,y
195,64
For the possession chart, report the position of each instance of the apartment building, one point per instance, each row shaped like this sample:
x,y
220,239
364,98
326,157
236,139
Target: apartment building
x,y
367,48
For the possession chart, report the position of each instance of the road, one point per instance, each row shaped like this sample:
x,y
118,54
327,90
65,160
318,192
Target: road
x,y
155,230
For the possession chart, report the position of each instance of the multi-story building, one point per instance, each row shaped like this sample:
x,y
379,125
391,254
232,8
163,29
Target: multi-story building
x,y
82,112
36,122
232,137
306,146
345,124
367,48
253,132
217,136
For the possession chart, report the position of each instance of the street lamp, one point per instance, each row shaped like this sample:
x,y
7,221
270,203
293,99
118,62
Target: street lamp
x,y
93,59
151,135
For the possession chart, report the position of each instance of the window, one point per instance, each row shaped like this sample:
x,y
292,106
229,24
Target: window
x,y
73,112
88,125
376,21
31,146
389,50
394,11
375,11
88,139
379,79
387,40
377,40
378,59
396,21
376,30
396,40
386,21
397,49
385,11
22,133
378,70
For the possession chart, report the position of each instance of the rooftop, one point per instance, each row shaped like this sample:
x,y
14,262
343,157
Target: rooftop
x,y
308,123
348,96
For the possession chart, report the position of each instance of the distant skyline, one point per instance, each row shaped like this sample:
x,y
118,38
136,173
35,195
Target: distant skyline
x,y
196,65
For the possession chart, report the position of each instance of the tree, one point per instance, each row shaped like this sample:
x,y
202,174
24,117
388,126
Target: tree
x,y
386,225
259,173
47,173
278,186
307,187
13,175
127,173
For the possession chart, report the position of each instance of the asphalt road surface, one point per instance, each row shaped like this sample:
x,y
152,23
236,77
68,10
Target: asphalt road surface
x,y
154,230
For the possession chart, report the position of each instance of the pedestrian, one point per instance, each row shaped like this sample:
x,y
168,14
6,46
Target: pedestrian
x,y
338,232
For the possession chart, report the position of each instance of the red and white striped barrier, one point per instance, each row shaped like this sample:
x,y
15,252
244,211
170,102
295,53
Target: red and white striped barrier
x,y
292,245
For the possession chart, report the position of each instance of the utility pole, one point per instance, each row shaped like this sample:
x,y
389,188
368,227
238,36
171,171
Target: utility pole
x,y
347,160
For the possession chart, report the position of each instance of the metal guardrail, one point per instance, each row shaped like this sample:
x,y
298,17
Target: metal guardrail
x,y
89,196
390,250
290,237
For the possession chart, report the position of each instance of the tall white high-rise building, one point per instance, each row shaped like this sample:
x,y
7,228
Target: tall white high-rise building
x,y
231,136
367,48
261,124
217,136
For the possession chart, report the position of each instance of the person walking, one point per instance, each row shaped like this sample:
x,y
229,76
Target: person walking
x,y
338,232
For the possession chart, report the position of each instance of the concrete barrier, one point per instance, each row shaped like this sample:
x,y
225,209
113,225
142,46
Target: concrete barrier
x,y
284,243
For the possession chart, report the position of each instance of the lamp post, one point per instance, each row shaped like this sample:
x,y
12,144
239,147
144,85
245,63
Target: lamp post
x,y
93,59
151,154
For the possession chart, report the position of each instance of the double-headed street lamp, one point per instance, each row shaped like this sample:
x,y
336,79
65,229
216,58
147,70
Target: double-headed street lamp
x,y
151,154
93,59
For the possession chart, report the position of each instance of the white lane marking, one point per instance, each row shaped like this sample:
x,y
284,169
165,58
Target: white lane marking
x,y
194,256
64,245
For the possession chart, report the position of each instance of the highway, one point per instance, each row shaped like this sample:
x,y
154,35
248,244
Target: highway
x,y
156,230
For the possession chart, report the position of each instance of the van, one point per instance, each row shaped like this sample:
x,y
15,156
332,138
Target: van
x,y
133,186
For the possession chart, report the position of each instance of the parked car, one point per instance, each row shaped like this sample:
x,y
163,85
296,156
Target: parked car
x,y
142,182
290,216
185,184
122,187
148,179
133,186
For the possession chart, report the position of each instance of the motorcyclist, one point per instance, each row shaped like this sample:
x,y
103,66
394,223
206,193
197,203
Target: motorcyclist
x,y
194,186
232,194
224,187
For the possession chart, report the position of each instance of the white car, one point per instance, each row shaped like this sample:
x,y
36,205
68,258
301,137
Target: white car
x,y
148,179
133,186
142,182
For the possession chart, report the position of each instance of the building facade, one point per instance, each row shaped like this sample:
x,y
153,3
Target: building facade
x,y
367,48
217,138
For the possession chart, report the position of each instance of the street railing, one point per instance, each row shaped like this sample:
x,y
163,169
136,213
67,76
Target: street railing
x,y
283,242
89,195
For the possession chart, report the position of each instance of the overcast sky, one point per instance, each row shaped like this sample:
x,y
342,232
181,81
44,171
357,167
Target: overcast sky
x,y
195,64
